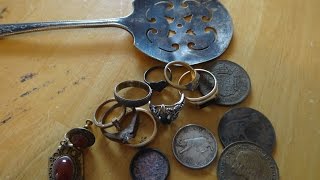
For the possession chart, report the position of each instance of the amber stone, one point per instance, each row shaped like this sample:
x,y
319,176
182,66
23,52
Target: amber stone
x,y
63,168
79,140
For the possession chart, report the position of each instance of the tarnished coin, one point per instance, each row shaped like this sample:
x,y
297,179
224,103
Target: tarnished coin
x,y
194,146
149,164
246,124
233,82
246,161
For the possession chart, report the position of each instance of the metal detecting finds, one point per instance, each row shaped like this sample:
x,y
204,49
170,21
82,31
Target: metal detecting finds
x,y
193,31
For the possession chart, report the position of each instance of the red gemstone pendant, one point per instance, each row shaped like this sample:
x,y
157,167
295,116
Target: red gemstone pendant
x,y
66,164
63,168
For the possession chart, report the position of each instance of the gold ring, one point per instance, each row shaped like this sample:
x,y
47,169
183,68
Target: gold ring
x,y
203,99
192,85
98,121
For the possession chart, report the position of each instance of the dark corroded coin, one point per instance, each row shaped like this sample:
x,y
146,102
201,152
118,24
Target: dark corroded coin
x,y
246,161
149,164
194,146
246,124
233,82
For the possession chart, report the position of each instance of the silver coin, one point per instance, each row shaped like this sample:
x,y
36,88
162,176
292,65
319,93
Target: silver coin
x,y
246,161
194,146
233,82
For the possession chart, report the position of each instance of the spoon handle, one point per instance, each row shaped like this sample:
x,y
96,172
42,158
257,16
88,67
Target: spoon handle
x,y
19,28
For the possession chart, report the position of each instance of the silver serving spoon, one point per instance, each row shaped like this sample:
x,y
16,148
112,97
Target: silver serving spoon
x,y
193,31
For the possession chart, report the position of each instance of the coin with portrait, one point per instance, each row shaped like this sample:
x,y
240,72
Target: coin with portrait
x,y
246,161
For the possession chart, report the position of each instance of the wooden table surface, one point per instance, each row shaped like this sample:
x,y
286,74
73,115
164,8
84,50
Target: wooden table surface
x,y
53,81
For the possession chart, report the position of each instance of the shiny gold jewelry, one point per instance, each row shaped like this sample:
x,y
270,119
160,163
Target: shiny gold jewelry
x,y
192,85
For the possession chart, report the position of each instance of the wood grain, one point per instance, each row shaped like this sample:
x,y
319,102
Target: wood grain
x,y
72,71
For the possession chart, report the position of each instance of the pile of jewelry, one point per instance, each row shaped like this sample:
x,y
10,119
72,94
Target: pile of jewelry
x,y
246,134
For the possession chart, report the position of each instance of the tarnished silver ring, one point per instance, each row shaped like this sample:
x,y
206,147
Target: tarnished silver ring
x,y
132,102
167,113
160,85
128,133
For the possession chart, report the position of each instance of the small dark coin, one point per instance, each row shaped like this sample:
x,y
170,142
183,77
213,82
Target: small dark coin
x,y
233,82
246,124
149,164
194,146
246,161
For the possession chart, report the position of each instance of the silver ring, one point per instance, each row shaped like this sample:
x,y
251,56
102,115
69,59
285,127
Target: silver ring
x,y
208,97
132,102
167,113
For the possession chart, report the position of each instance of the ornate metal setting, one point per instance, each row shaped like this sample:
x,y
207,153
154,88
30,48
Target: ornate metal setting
x,y
67,161
167,113
180,25
64,153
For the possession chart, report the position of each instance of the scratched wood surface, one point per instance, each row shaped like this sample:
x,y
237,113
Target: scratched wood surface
x,y
53,81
